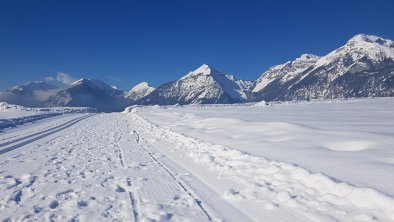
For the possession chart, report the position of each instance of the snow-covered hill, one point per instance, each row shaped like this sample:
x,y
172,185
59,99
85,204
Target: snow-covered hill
x,y
363,67
139,91
203,85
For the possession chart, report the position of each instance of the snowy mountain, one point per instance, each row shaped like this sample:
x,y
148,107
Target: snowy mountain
x,y
139,91
31,94
276,77
363,67
202,86
90,93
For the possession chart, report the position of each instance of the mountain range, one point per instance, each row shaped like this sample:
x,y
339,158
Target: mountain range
x,y
363,67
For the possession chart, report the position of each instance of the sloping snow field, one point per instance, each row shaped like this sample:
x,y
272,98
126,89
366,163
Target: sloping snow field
x,y
316,161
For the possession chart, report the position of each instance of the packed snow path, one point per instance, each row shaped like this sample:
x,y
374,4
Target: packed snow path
x,y
123,167
92,169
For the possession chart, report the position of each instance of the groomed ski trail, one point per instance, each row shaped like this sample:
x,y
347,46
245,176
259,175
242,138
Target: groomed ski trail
x,y
92,170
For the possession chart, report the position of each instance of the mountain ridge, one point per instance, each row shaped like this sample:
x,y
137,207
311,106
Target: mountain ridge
x,y
362,67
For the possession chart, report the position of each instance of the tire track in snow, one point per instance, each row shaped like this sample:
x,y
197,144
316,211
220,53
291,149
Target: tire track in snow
x,y
15,144
9,123
39,132
36,126
176,179
32,132
133,200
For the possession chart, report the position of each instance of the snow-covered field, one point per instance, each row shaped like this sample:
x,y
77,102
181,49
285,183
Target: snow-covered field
x,y
317,161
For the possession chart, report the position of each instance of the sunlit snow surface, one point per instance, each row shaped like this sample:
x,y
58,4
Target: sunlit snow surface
x,y
315,161
349,141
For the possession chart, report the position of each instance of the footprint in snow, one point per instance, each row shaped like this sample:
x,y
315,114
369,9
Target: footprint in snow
x,y
120,189
16,196
54,204
82,204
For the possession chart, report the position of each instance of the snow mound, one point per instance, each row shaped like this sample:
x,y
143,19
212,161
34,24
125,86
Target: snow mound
x,y
261,104
11,107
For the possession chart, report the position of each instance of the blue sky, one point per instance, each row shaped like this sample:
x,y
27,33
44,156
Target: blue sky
x,y
125,42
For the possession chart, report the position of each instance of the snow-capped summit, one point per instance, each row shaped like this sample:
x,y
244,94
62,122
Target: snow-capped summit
x,y
205,69
139,91
361,46
99,85
141,86
363,67
203,85
362,38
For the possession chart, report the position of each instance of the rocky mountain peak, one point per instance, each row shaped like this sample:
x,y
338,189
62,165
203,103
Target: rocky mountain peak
x,y
139,91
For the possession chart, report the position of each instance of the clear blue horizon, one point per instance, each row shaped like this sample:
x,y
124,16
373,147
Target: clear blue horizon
x,y
126,42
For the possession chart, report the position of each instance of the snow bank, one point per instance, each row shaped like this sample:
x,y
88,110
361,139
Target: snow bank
x,y
11,107
261,104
